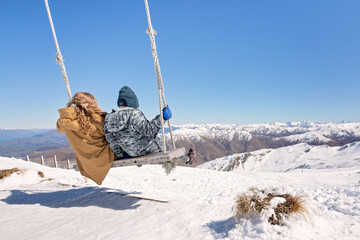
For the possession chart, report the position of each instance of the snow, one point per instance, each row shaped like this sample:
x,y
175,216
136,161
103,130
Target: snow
x,y
308,137
65,205
299,156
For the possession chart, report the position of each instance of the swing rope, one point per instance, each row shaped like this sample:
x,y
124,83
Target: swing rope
x,y
59,57
162,101
151,32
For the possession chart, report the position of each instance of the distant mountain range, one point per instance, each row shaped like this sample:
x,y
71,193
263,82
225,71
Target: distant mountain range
x,y
218,140
11,134
35,143
211,141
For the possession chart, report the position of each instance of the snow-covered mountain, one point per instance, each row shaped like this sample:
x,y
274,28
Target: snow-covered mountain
x,y
61,204
285,159
218,140
308,132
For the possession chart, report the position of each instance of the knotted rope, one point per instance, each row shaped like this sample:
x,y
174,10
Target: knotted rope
x,y
59,57
162,101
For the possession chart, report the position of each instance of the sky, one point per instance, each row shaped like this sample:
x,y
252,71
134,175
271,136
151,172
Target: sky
x,y
230,61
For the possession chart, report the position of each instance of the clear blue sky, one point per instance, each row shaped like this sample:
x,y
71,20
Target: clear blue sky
x,y
228,61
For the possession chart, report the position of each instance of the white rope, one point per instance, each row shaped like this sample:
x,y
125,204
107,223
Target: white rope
x,y
59,57
151,32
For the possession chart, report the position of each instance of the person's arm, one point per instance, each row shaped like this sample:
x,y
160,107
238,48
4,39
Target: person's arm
x,y
59,126
67,120
143,126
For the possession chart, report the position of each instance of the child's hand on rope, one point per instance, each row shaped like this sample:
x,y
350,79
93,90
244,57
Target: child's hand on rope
x,y
167,113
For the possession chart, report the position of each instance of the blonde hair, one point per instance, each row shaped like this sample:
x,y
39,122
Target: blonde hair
x,y
87,111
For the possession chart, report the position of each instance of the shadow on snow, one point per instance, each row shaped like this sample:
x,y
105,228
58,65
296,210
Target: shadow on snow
x,y
222,228
80,197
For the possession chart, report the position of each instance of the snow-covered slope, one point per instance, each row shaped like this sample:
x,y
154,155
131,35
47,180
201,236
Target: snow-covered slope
x,y
65,205
300,156
308,137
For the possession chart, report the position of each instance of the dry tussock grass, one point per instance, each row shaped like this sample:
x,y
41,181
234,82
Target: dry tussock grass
x,y
41,174
47,179
258,202
169,167
7,172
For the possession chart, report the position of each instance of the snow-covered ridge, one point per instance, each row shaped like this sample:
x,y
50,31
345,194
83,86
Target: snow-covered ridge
x,y
292,131
300,156
309,137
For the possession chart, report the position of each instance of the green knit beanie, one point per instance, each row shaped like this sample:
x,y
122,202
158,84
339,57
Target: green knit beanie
x,y
127,98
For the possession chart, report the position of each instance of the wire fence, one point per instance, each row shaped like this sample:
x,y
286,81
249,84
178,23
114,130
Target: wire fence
x,y
52,162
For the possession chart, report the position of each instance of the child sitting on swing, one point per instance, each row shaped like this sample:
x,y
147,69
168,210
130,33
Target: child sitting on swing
x,y
130,134
127,130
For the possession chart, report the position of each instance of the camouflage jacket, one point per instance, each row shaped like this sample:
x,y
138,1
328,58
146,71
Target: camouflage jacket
x,y
128,131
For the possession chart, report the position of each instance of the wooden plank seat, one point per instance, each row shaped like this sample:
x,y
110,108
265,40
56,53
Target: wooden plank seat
x,y
155,158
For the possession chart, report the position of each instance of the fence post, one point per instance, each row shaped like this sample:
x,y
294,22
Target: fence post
x,y
55,162
68,163
27,158
42,161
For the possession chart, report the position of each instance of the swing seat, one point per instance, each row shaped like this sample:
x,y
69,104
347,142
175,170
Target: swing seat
x,y
154,158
